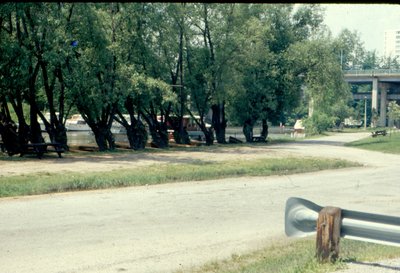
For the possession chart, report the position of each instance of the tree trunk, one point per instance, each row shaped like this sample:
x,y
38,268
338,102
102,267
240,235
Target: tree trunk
x,y
181,136
248,130
35,130
100,140
104,138
219,122
137,135
110,139
158,131
209,135
35,133
60,136
159,135
264,130
8,133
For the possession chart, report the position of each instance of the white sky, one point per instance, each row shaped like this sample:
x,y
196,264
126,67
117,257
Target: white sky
x,y
370,20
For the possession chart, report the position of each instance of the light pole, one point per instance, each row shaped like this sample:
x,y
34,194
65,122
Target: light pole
x,y
341,59
365,112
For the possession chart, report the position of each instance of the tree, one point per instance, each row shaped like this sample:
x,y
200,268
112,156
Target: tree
x,y
271,84
92,77
389,63
394,114
349,49
131,51
14,76
371,60
199,93
216,42
257,98
32,50
153,64
325,88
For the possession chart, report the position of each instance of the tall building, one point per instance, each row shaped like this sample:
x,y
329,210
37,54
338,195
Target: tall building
x,y
392,43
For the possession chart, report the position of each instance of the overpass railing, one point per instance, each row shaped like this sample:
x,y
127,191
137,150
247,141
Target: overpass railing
x,y
372,72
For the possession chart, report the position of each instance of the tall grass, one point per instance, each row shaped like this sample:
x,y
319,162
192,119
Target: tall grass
x,y
49,182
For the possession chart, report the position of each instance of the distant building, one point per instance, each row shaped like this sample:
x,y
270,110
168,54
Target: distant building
x,y
392,43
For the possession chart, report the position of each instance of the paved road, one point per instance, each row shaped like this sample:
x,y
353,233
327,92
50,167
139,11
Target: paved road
x,y
168,227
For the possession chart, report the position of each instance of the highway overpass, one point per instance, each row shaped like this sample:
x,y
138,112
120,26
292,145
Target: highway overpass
x,y
385,87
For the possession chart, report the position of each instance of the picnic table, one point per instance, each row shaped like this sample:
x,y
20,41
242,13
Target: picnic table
x,y
379,133
258,139
41,148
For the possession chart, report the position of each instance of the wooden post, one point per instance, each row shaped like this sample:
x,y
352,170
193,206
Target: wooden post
x,y
328,234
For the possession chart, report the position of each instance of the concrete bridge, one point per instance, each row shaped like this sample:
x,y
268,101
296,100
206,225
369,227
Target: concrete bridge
x,y
385,87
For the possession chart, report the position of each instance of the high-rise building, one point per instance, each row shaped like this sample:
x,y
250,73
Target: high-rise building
x,y
392,43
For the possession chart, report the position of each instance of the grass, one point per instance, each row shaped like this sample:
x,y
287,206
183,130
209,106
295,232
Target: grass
x,y
296,256
43,183
386,144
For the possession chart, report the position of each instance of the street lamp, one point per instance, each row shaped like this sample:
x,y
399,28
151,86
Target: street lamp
x,y
365,112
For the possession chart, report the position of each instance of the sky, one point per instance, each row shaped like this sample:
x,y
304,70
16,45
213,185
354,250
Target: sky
x,y
370,20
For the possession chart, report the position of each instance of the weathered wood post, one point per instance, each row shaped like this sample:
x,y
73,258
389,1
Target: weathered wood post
x,y
328,234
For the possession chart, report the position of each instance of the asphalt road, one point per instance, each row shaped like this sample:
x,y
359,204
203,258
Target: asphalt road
x,y
169,227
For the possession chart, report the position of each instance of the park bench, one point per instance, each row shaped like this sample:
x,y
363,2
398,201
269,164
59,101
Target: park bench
x,y
258,139
41,148
234,140
379,133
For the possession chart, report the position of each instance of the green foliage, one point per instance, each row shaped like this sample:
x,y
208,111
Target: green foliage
x,y
371,60
271,85
394,111
259,61
389,63
318,123
349,49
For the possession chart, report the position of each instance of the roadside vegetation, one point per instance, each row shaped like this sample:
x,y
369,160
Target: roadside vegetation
x,y
387,144
42,183
297,257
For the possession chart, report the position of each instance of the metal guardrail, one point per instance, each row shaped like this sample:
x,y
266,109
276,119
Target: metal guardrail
x,y
301,220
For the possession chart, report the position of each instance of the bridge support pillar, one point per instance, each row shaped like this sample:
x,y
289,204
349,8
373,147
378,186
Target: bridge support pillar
x,y
382,116
374,102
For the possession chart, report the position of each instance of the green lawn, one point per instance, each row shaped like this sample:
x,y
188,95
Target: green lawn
x,y
43,183
387,144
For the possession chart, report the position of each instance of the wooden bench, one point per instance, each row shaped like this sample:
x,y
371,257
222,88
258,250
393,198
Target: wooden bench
x,y
379,133
234,140
41,148
258,139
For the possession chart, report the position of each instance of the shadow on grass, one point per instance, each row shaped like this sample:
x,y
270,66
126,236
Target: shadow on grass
x,y
369,264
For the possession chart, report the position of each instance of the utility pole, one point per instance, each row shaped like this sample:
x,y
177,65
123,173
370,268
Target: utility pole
x,y
365,112
341,59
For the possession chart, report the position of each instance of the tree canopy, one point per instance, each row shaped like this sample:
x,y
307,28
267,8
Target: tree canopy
x,y
145,64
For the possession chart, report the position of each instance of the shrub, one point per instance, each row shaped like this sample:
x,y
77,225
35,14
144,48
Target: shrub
x,y
318,123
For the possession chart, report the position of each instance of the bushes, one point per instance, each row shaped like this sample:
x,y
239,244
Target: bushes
x,y
318,123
